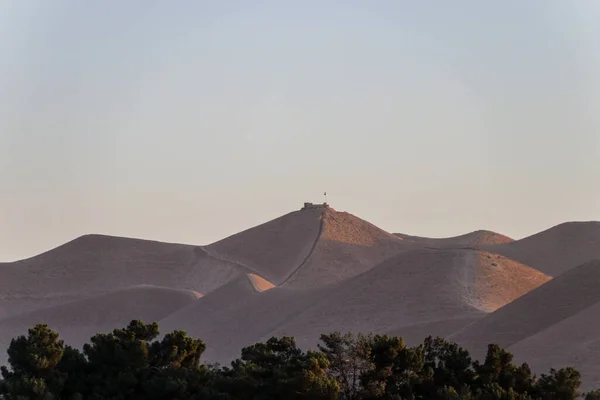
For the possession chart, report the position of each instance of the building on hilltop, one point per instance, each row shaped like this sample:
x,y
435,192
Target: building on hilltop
x,y
309,206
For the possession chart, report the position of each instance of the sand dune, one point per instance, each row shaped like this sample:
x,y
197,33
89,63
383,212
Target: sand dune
x,y
557,249
273,249
477,238
418,287
574,341
95,264
421,287
77,321
347,246
551,327
557,300
237,315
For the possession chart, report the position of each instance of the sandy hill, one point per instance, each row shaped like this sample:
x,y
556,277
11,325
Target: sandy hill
x,y
557,249
442,289
95,264
318,270
237,315
549,304
273,249
311,247
79,320
347,247
574,341
476,238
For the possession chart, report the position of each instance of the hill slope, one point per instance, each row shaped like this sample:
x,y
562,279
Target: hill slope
x,y
477,238
77,321
347,246
557,249
574,341
560,298
273,249
445,289
96,264
418,287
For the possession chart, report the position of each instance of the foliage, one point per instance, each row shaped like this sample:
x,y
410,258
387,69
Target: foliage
x,y
136,363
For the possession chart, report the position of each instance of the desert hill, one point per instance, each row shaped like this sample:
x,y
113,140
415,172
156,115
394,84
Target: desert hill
x,y
347,246
96,264
314,271
551,326
418,287
77,321
574,341
549,304
555,250
450,287
310,247
476,238
274,249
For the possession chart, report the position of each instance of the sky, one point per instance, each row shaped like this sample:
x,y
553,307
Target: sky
x,y
189,121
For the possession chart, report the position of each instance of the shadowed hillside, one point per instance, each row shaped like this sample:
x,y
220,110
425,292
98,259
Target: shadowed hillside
x,y
450,287
95,264
557,249
557,300
274,249
418,287
572,341
77,321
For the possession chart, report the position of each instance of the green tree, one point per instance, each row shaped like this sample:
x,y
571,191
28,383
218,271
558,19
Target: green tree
x,y
446,366
593,395
562,384
397,369
33,360
348,357
278,369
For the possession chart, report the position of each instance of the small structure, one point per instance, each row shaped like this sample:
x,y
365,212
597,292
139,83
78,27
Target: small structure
x,y
310,206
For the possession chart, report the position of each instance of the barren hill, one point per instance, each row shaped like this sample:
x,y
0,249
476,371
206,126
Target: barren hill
x,y
476,238
314,271
557,249
420,287
95,264
310,247
574,341
549,304
274,249
346,247
77,321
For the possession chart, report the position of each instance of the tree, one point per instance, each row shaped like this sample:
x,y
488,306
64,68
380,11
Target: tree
x,y
130,363
446,366
562,384
33,360
277,369
348,357
397,369
593,395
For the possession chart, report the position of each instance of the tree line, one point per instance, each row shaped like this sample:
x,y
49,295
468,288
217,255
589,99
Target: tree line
x,y
132,363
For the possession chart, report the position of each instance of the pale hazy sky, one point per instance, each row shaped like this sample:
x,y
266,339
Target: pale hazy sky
x,y
188,121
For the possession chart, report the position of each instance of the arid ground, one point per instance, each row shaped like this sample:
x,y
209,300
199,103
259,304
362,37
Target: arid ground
x,y
318,270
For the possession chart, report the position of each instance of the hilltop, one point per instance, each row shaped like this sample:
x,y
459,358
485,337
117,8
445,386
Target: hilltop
x,y
476,238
